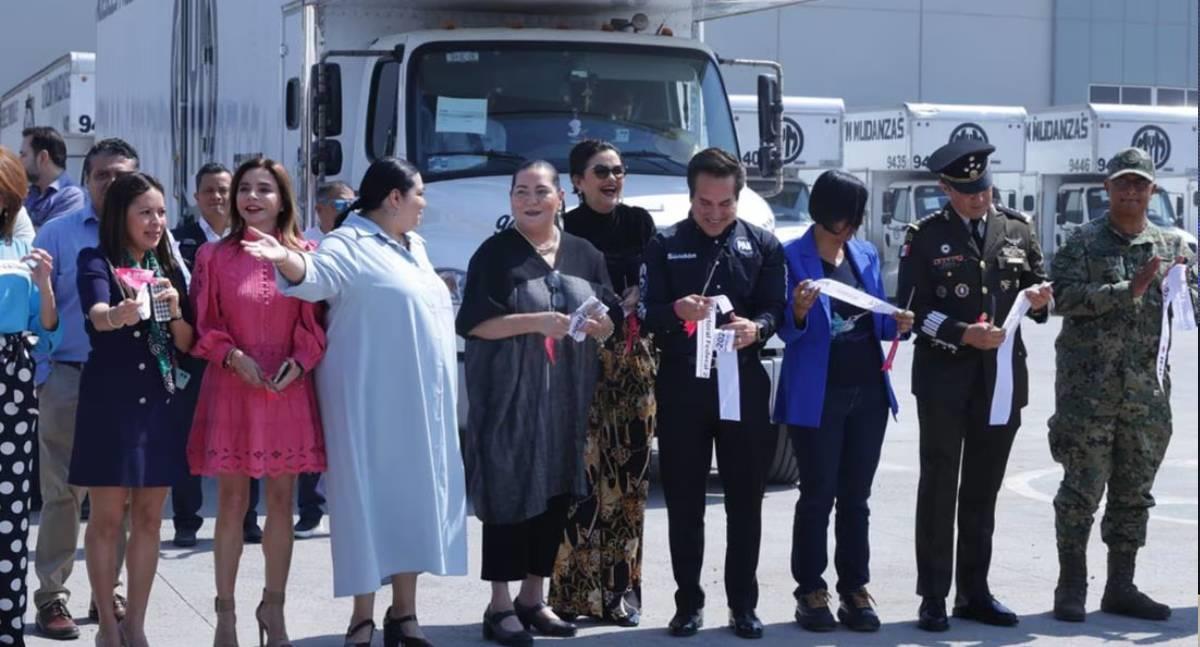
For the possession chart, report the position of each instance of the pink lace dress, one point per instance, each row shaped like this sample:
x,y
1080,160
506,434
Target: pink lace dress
x,y
239,429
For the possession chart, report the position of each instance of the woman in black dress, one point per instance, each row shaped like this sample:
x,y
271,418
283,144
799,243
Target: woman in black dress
x,y
598,572
129,432
530,386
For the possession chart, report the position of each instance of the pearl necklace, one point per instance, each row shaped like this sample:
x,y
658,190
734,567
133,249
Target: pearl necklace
x,y
544,248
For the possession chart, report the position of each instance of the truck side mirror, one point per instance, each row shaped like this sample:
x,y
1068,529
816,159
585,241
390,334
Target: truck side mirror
x,y
889,207
770,125
326,157
1061,218
327,103
1196,198
1028,204
1179,207
1060,207
291,103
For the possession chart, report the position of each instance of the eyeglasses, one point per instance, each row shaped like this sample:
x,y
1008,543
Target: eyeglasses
x,y
846,228
603,171
554,283
539,195
339,204
1125,183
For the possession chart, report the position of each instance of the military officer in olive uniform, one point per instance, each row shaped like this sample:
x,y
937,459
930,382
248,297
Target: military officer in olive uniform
x,y
1112,418
963,268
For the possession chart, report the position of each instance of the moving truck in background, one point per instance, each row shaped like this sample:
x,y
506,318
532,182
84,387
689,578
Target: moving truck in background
x,y
61,95
812,144
888,149
1068,149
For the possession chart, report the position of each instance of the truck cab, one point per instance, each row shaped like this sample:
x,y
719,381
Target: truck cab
x,y
1078,203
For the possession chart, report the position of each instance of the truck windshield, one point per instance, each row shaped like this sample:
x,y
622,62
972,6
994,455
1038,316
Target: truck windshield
x,y
928,199
1159,212
789,205
481,108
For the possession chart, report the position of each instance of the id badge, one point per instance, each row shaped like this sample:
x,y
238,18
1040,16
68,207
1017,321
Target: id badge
x,y
182,378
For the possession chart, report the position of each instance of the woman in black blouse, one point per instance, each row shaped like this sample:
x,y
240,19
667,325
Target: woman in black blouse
x,y
598,572
530,386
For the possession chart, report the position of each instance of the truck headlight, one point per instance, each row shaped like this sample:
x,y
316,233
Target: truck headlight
x,y
456,282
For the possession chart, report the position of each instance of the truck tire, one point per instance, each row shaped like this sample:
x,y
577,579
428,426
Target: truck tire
x,y
783,468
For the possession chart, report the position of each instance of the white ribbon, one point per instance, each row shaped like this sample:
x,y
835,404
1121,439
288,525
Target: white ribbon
x,y
1177,301
1002,391
593,308
710,340
842,292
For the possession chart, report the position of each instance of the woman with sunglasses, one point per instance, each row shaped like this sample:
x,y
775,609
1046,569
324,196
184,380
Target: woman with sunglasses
x,y
834,396
530,385
598,573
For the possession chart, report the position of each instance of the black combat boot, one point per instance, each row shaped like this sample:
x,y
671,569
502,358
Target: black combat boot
x,y
1122,597
1070,596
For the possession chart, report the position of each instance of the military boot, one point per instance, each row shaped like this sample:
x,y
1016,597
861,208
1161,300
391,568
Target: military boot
x,y
1121,595
1070,596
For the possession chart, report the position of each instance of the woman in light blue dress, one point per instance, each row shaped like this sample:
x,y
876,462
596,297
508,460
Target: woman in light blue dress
x,y
387,392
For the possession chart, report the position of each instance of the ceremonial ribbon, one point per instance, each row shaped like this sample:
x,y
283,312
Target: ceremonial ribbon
x,y
1176,305
710,340
1002,391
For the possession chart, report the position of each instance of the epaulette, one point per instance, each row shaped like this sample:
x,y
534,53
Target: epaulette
x,y
1014,214
914,226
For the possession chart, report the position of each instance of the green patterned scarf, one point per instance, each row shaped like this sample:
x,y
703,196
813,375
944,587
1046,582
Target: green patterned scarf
x,y
159,338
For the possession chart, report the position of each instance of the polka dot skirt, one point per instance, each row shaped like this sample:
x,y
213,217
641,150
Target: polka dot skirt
x,y
18,420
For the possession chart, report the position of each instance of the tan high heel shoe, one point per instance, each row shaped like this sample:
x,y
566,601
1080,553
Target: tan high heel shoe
x,y
226,631
269,636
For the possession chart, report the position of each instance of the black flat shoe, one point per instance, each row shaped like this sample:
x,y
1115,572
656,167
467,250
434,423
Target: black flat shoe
x,y
393,635
987,610
531,617
932,615
357,628
745,624
495,632
686,623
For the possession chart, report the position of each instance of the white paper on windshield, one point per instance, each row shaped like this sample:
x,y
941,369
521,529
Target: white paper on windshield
x,y
456,115
842,292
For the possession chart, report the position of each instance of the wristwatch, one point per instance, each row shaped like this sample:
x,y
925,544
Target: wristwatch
x,y
758,333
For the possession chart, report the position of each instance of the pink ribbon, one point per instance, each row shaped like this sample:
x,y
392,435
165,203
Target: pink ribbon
x,y
551,353
135,277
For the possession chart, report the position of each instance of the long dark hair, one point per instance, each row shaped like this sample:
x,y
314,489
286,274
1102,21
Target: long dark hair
x,y
114,236
289,227
385,175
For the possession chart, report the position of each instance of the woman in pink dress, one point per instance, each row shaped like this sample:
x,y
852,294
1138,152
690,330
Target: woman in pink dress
x,y
257,412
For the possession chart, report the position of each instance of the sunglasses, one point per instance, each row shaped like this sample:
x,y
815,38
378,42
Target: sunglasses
x,y
603,171
339,205
558,301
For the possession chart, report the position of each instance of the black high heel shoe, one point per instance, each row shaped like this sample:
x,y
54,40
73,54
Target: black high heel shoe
x,y
357,628
555,627
393,636
495,632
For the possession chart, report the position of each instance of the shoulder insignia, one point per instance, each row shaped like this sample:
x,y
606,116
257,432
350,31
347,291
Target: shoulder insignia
x,y
1014,214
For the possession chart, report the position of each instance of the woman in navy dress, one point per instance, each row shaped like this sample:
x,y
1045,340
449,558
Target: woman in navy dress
x,y
129,433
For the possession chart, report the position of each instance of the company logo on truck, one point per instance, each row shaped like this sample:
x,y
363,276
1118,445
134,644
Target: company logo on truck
x,y
968,131
1057,130
869,130
793,140
1155,142
56,89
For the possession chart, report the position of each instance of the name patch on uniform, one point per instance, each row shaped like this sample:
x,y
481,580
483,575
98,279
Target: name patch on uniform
x,y
743,246
947,262
961,290
687,256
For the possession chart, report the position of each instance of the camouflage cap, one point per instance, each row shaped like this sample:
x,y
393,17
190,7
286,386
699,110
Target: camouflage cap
x,y
1131,160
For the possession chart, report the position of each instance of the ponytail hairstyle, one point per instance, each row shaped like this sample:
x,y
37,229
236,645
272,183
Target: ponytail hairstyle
x,y
385,175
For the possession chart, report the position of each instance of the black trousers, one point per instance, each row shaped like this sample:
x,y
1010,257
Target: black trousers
x,y
954,434
308,500
513,551
689,424
187,498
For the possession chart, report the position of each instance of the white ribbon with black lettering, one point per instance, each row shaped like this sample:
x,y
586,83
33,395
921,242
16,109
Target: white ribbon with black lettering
x,y
591,308
710,340
1002,392
842,292
1176,305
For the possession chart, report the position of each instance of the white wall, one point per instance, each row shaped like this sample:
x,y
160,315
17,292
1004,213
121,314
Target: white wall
x,y
878,52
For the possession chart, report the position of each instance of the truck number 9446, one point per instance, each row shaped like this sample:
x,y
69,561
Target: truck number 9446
x,y
1079,165
897,161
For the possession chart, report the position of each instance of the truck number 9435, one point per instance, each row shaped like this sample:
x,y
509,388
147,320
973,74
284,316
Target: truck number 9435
x,y
1079,165
897,161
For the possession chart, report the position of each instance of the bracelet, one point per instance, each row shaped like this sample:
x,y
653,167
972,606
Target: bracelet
x,y
228,357
108,319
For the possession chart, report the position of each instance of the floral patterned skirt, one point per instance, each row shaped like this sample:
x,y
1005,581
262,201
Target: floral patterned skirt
x,y
598,569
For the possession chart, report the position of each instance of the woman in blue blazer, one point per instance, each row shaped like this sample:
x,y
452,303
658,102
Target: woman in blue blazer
x,y
834,397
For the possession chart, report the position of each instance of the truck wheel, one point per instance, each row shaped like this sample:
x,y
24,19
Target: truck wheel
x,y
783,470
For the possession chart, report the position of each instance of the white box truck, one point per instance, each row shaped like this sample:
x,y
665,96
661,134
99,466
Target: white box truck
x,y
812,144
464,89
888,149
61,95
1068,149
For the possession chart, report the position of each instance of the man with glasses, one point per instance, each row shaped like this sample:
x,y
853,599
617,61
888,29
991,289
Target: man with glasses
x,y
710,254
1112,418
963,269
333,199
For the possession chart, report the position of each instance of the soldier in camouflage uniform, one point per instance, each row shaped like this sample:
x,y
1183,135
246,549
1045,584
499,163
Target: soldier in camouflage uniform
x,y
1112,422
